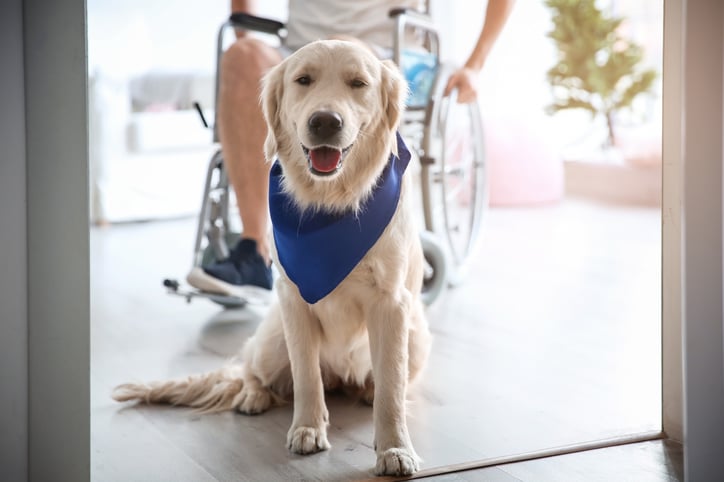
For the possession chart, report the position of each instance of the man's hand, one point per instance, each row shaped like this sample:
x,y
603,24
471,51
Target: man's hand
x,y
465,81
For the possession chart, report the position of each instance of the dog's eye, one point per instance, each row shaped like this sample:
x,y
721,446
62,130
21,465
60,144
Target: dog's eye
x,y
303,80
357,83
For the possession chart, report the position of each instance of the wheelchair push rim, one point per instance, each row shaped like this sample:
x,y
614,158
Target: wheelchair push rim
x,y
463,177
456,176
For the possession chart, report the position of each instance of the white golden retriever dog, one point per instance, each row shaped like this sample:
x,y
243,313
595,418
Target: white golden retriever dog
x,y
332,109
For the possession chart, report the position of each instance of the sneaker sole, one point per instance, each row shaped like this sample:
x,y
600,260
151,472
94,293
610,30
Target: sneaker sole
x,y
255,295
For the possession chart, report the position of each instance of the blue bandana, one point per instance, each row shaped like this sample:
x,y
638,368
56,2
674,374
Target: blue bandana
x,y
319,249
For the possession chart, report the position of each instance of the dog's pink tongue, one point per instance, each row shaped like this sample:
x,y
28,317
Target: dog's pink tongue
x,y
325,159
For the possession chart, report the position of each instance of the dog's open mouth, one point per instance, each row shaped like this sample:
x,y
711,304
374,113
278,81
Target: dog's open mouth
x,y
325,160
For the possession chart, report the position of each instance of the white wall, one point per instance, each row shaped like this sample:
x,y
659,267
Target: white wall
x,y
134,36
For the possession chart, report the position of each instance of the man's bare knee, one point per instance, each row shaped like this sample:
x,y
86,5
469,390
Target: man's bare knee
x,y
248,57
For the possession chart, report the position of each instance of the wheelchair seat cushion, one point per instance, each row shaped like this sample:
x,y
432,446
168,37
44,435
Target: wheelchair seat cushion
x,y
318,249
419,69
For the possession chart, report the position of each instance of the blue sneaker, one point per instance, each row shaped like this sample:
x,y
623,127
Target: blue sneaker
x,y
244,273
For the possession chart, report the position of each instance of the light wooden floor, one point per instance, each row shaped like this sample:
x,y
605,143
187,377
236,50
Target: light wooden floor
x,y
553,340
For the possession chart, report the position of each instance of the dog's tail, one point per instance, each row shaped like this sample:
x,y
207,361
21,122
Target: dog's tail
x,y
211,392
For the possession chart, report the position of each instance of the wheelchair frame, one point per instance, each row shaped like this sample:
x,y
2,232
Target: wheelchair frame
x,y
444,263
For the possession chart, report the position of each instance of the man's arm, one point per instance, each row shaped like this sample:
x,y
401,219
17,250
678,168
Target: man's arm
x,y
465,78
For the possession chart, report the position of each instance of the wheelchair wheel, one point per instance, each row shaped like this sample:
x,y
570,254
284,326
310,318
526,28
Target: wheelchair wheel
x,y
435,270
455,178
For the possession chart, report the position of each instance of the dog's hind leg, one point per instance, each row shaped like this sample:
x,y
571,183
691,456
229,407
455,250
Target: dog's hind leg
x,y
253,398
387,323
267,374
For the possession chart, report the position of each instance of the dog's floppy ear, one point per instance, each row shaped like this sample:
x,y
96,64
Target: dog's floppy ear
x,y
271,99
394,93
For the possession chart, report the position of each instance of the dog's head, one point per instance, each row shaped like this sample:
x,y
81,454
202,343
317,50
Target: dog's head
x,y
332,109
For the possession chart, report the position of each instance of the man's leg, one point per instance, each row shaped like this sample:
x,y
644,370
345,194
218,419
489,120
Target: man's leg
x,y
242,131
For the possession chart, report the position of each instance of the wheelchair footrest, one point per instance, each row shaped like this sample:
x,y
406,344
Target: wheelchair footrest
x,y
228,301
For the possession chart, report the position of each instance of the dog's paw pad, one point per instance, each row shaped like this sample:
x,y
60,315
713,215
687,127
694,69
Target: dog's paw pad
x,y
307,440
397,462
253,402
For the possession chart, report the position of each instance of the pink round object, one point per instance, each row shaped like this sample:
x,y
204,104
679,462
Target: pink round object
x,y
525,166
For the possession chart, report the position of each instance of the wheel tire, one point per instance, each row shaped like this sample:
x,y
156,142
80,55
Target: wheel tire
x,y
462,223
456,185
436,265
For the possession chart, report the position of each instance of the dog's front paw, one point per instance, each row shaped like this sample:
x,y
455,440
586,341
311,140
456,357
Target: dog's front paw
x,y
253,401
307,440
397,461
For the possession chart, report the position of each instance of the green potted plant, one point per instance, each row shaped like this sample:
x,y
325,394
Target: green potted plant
x,y
597,69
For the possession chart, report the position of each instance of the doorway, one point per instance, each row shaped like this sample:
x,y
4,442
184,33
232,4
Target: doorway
x,y
553,339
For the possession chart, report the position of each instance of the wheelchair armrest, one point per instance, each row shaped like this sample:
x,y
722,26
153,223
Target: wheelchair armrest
x,y
256,24
409,17
413,17
399,11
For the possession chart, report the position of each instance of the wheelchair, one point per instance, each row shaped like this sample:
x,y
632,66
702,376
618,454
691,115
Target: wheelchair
x,y
444,136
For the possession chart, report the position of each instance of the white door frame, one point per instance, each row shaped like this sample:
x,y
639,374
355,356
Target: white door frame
x,y
672,389
48,330
701,72
693,331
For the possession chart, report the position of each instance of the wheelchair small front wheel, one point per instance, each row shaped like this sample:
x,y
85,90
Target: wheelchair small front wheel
x,y
434,278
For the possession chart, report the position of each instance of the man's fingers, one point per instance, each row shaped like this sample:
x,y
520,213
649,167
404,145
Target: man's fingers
x,y
466,91
466,97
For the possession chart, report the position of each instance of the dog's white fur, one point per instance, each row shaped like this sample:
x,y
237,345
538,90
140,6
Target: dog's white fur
x,y
372,326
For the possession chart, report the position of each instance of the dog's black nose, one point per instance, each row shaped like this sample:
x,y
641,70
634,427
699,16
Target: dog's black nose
x,y
325,124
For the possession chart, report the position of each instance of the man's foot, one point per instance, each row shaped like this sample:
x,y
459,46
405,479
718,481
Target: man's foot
x,y
244,273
